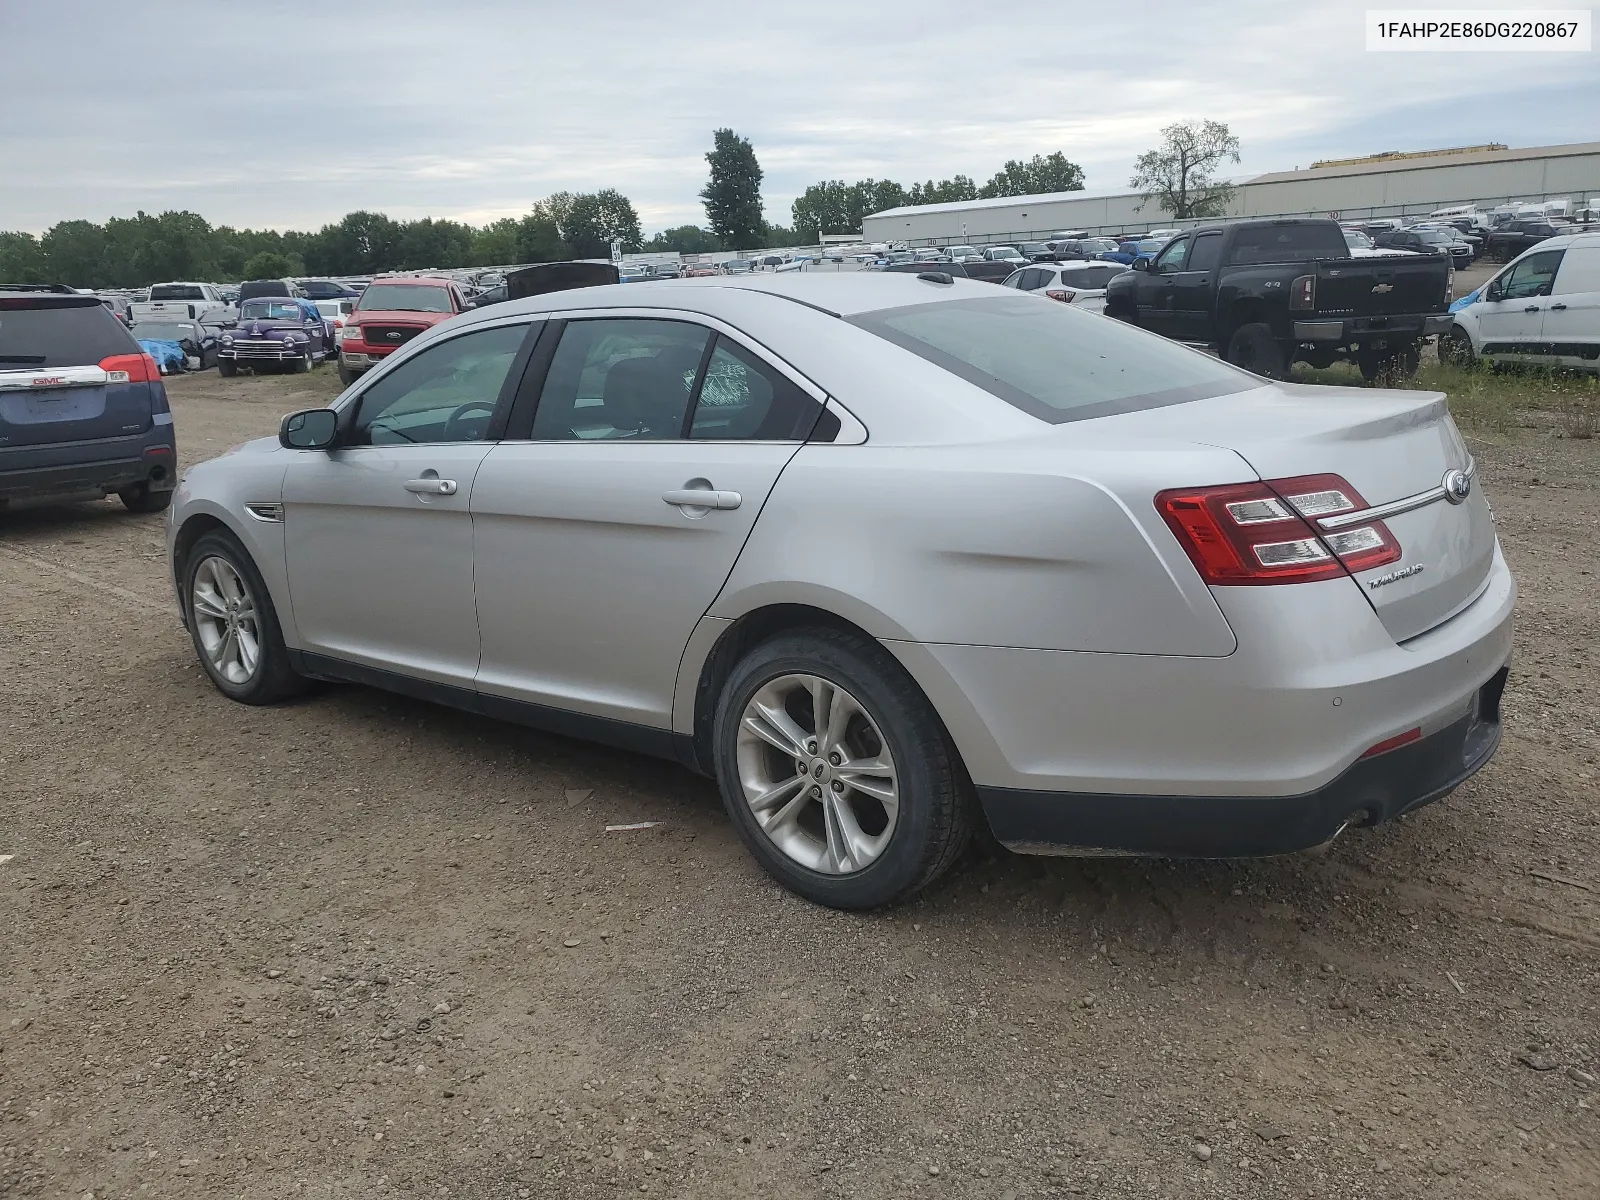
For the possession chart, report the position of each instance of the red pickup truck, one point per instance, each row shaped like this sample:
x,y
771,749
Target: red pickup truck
x,y
389,314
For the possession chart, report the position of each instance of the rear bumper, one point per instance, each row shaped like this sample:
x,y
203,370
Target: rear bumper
x,y
1371,329
1372,791
82,468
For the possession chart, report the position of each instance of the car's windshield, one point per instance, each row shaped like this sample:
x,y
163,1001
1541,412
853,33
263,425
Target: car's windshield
x,y
1433,237
1097,245
405,297
1273,242
961,250
1357,240
270,310
1051,361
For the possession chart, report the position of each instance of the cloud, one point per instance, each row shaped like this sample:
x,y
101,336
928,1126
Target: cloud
x,y
289,118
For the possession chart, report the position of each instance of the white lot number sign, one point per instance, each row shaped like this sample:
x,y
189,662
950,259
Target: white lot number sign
x,y
1512,30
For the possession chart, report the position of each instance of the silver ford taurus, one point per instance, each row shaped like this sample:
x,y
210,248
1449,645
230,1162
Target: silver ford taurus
x,y
886,555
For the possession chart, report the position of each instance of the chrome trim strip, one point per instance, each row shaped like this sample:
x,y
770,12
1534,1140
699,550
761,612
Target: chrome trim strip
x,y
269,513
1394,508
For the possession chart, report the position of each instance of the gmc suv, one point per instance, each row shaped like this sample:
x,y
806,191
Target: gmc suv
x,y
83,410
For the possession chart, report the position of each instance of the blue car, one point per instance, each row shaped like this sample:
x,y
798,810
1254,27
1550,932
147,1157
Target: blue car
x,y
82,407
1129,251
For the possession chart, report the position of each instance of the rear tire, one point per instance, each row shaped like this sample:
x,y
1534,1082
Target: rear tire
x,y
831,841
141,499
229,611
1389,368
227,368
1253,348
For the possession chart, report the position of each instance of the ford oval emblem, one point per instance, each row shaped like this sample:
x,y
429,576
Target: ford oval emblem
x,y
1457,486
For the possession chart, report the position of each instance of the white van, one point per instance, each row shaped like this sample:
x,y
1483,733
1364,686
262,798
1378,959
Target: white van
x,y
1542,308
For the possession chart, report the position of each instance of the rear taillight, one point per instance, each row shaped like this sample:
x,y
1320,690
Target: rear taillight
x,y
130,368
1059,294
1303,292
1254,533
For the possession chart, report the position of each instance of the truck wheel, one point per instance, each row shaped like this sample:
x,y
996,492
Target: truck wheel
x,y
1253,348
1455,348
346,375
227,368
302,364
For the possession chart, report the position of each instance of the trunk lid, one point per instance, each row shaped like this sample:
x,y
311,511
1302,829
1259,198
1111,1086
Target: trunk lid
x,y
1387,286
1390,446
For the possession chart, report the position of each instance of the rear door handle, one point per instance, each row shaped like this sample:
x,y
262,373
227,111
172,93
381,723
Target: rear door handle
x,y
1558,308
702,498
431,487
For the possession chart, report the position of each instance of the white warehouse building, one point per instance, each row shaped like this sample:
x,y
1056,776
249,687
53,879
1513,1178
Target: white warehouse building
x,y
1383,186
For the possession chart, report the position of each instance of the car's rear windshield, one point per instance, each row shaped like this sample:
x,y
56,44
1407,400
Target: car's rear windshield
x,y
1287,243
401,297
177,291
1090,277
56,335
1051,361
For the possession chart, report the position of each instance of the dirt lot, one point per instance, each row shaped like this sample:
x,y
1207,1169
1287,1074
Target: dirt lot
x,y
363,947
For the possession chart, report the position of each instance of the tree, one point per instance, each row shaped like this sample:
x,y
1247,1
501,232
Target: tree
x,y
539,238
834,206
75,253
430,243
732,195
268,265
596,219
684,239
495,244
21,260
946,191
1181,173
1040,174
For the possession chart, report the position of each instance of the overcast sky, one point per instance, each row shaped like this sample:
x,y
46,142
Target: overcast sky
x,y
290,115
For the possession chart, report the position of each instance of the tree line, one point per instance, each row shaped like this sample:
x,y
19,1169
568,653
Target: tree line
x,y
834,206
145,248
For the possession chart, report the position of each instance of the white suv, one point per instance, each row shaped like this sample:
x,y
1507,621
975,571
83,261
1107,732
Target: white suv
x,y
1543,308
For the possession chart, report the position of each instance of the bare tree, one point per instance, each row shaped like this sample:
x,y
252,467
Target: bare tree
x,y
1181,173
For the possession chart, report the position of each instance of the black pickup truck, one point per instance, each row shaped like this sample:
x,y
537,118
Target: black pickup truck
x,y
1263,294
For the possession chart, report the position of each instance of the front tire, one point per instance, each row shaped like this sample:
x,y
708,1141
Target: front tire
x,y
346,375
227,368
1254,349
233,624
302,364
837,772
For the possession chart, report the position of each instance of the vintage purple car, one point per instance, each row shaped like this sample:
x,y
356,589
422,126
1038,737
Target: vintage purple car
x,y
273,331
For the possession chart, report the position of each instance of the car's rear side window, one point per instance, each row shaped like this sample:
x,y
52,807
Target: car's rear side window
x,y
176,291
60,336
1287,243
1090,277
1051,361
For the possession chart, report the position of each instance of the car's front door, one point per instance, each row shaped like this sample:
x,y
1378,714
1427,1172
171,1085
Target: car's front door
x,y
606,527
1154,294
1192,290
1511,324
378,532
1572,321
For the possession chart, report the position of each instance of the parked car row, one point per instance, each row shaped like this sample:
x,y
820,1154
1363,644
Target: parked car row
x,y
1542,309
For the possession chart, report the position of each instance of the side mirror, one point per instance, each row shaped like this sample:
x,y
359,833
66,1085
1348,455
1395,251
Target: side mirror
x,y
313,429
1141,264
1493,292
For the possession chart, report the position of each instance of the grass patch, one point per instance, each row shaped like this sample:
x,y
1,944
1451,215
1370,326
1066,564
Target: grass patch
x,y
1491,401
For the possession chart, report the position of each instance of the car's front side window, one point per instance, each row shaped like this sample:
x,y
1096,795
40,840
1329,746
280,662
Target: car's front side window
x,y
1532,276
447,393
1172,257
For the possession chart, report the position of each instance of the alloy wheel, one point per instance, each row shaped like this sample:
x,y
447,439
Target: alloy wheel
x,y
817,774
224,613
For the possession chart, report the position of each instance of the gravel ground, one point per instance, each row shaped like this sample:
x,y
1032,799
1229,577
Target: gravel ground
x,y
359,946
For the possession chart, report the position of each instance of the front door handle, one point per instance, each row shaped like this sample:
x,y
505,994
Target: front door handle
x,y
1558,308
431,487
1531,308
702,498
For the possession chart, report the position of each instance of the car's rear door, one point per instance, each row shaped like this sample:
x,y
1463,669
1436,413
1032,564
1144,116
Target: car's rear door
x,y
70,376
378,533
608,519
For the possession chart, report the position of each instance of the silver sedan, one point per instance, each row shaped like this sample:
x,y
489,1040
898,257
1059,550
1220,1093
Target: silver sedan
x,y
887,556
